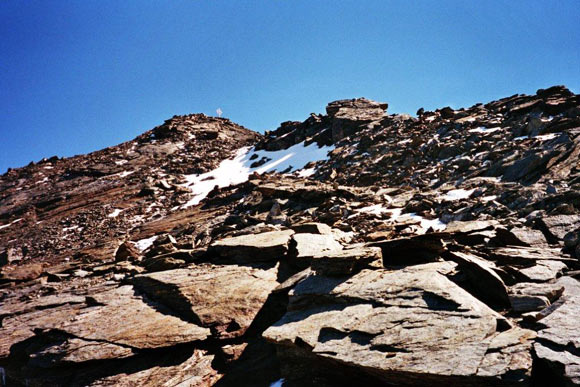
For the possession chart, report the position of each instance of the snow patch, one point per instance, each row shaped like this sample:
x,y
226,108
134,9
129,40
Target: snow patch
x,y
72,228
237,170
144,244
306,172
115,213
10,224
481,129
541,137
435,224
124,173
457,194
545,137
376,209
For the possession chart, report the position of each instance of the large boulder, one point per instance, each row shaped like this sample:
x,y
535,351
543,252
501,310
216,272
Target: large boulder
x,y
350,115
410,327
223,298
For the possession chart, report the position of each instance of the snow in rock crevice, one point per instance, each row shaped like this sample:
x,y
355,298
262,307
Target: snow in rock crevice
x,y
237,170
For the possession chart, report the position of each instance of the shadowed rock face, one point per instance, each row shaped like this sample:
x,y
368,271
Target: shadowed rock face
x,y
437,250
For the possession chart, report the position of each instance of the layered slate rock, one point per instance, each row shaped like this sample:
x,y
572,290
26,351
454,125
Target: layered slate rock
x,y
123,318
558,344
268,246
223,298
409,327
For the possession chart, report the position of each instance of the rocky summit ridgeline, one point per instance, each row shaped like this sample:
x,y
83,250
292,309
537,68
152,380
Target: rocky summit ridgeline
x,y
354,248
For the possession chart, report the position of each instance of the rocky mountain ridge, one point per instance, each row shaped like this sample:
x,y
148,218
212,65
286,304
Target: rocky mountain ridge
x,y
352,247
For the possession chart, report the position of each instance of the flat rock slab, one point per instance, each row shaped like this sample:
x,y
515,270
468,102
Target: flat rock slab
x,y
348,260
558,345
522,236
411,326
470,226
306,246
527,255
123,318
223,298
267,246
543,270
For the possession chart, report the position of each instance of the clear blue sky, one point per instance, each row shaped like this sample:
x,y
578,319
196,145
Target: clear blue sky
x,y
77,76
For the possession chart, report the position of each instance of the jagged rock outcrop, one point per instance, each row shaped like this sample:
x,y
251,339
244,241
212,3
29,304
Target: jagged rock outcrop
x,y
437,250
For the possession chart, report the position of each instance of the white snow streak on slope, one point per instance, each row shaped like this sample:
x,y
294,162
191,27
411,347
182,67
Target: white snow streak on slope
x,y
396,216
481,129
115,213
237,171
457,194
10,224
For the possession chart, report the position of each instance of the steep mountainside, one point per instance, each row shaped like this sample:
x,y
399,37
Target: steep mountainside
x,y
354,248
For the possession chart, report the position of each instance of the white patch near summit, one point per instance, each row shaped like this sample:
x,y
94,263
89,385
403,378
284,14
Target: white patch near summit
x,y
237,170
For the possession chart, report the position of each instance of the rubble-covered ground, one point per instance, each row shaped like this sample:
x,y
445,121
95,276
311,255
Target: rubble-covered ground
x,y
354,248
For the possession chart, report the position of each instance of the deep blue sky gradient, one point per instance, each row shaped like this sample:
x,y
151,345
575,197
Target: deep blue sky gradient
x,y
77,76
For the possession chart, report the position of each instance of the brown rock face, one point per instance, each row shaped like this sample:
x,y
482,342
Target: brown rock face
x,y
437,250
197,294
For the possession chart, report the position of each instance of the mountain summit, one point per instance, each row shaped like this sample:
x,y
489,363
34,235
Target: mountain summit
x,y
356,247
